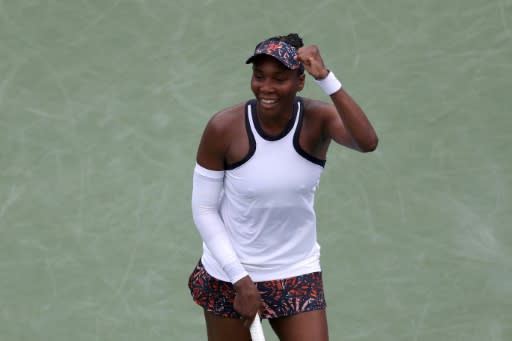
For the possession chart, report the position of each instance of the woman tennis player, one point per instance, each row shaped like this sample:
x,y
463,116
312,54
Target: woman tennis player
x,y
258,166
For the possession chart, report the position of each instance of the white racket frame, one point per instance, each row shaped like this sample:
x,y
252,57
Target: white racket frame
x,y
257,329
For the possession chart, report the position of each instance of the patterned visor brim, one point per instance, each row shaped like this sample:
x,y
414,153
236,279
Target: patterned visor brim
x,y
283,52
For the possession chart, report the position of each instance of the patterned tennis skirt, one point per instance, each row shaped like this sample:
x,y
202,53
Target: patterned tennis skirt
x,y
283,297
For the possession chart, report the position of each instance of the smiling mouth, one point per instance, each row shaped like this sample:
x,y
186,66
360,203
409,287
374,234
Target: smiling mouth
x,y
268,101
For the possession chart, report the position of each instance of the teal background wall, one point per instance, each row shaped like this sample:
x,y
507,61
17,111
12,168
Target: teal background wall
x,y
102,104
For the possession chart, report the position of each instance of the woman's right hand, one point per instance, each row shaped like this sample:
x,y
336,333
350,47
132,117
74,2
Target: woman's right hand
x,y
247,300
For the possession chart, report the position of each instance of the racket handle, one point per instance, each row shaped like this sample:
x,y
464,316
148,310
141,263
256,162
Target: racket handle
x,y
257,330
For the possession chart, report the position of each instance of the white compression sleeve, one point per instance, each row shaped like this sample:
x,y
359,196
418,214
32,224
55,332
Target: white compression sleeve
x,y
206,191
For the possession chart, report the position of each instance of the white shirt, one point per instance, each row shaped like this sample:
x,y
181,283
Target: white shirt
x,y
268,204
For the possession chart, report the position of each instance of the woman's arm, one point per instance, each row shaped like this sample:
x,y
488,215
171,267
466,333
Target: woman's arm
x,y
208,183
345,121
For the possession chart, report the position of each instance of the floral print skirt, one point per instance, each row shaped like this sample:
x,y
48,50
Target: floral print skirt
x,y
281,297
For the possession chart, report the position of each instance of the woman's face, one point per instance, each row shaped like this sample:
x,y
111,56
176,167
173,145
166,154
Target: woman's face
x,y
274,85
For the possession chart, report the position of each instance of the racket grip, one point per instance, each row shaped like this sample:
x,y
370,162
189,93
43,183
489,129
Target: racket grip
x,y
257,330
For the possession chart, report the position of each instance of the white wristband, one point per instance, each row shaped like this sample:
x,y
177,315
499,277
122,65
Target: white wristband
x,y
329,84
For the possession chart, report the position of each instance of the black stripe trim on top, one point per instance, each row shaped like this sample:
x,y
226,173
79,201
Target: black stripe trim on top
x,y
260,130
296,136
252,142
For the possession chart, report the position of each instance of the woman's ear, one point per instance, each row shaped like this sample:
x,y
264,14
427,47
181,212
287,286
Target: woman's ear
x,y
302,81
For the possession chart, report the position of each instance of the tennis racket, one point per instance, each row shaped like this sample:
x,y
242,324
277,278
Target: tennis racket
x,y
257,330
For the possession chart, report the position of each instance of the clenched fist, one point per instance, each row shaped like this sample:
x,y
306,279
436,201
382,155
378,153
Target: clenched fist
x,y
313,63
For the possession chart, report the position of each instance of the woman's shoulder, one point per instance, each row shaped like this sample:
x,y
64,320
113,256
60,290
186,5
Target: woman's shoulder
x,y
316,108
231,112
225,119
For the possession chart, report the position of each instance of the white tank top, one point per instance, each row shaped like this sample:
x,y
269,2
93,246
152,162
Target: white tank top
x,y
268,204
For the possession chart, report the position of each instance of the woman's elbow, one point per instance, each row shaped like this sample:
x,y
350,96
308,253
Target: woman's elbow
x,y
370,145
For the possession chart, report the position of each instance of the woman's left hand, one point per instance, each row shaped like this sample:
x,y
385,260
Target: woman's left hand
x,y
313,63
